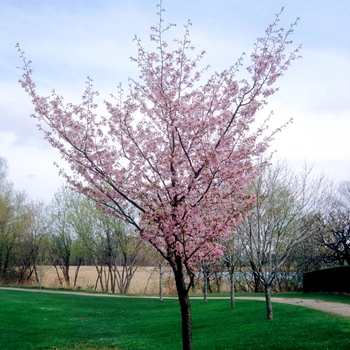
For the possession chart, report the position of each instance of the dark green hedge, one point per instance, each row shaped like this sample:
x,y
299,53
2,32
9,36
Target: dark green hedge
x,y
335,280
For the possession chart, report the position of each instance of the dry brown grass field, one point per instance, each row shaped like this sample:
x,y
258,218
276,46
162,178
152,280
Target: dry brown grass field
x,y
144,281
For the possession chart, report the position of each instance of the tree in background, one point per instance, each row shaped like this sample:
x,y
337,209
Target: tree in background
x,y
14,222
159,263
344,195
278,221
61,235
233,257
123,251
7,238
32,243
21,231
174,156
109,243
333,231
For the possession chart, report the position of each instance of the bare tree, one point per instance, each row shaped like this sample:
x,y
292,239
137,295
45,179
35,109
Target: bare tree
x,y
62,233
158,262
278,222
115,249
124,252
233,257
334,227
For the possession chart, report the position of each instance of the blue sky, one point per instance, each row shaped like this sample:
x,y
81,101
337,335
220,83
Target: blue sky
x,y
70,40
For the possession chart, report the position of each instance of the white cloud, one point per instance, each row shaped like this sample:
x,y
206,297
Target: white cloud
x,y
31,169
69,40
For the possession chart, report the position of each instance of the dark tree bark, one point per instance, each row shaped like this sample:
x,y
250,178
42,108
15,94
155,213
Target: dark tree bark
x,y
269,311
232,286
205,281
160,282
185,306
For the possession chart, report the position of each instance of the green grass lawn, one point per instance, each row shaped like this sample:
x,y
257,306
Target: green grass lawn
x,y
53,321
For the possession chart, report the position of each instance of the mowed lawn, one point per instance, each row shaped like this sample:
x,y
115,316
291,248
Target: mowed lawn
x,y
52,321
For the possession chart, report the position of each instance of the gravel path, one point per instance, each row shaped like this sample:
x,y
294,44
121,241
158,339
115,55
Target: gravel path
x,y
341,309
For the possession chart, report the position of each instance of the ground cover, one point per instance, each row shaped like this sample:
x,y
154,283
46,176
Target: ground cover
x,y
53,321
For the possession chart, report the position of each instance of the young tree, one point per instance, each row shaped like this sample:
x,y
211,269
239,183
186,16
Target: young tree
x,y
158,262
173,157
62,234
279,220
123,251
231,259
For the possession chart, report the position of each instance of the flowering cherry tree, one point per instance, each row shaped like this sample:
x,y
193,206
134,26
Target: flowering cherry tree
x,y
174,154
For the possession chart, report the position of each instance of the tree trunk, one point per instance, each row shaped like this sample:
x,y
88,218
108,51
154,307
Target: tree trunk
x,y
58,275
31,270
256,276
205,285
65,270
99,276
111,276
36,274
160,282
185,305
186,317
150,276
269,312
232,286
80,261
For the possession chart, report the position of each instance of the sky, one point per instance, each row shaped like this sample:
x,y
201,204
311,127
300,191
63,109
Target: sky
x,y
69,40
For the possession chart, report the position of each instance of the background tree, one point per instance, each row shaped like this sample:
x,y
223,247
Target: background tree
x,y
308,255
206,272
111,245
334,227
15,220
124,252
62,234
7,239
30,251
233,257
277,223
159,263
344,195
81,220
175,155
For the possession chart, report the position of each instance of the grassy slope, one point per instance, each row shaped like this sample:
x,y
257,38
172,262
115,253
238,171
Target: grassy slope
x,y
49,321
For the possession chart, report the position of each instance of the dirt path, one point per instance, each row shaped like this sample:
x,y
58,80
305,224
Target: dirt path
x,y
340,309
